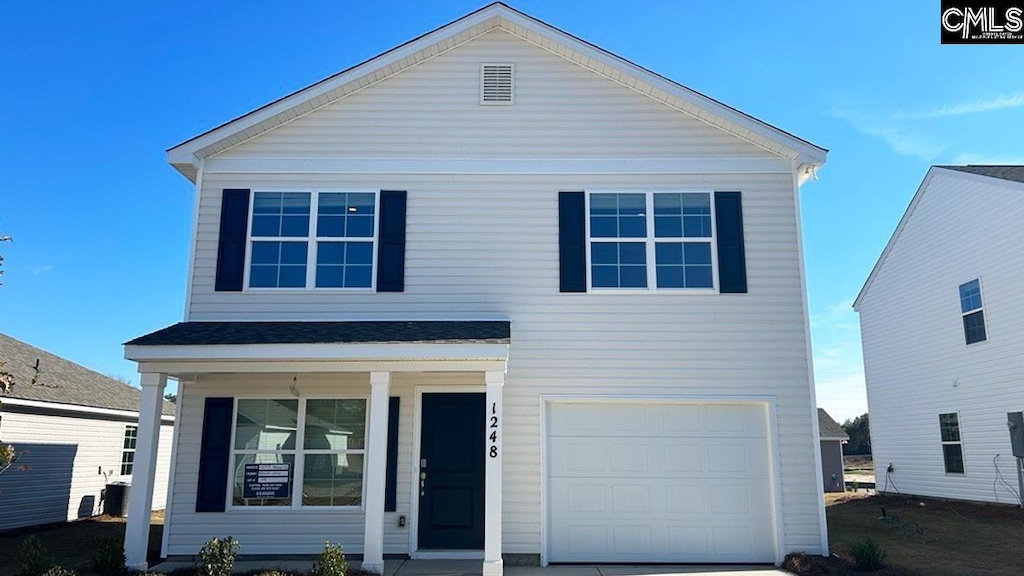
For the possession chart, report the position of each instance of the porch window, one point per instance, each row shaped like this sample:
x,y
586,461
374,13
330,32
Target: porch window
x,y
315,444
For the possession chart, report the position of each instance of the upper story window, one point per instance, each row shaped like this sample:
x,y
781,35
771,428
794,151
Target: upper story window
x,y
312,239
952,446
971,309
651,240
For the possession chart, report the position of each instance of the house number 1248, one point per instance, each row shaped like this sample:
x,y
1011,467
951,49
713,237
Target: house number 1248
x,y
493,436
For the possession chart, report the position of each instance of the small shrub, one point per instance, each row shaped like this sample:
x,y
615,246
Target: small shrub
x,y
331,561
217,557
58,571
109,559
32,557
867,555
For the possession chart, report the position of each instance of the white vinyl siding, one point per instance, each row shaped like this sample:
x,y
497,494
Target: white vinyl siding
x,y
71,460
916,363
433,110
485,246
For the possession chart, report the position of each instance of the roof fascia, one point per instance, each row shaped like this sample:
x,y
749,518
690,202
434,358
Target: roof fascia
x,y
932,172
895,234
184,156
77,408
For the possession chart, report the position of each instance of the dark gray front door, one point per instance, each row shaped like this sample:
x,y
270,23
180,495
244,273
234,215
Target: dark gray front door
x,y
451,512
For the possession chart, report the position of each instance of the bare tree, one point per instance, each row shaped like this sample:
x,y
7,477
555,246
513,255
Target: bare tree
x,y
3,239
8,454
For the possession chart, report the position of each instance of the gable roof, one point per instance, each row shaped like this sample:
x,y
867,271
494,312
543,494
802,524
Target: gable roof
x,y
1006,173
61,381
364,332
829,429
185,157
1003,172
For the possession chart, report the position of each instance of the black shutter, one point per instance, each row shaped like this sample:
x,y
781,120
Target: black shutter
x,y
391,482
391,242
732,264
214,455
234,223
572,256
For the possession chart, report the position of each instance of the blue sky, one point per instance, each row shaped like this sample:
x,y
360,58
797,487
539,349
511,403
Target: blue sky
x,y
93,93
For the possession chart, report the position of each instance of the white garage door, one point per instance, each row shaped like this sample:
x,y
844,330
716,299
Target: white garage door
x,y
658,482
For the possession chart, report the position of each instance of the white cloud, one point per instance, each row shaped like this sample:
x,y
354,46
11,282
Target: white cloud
x,y
37,270
971,158
1001,102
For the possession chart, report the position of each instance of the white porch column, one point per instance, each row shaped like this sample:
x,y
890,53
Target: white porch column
x,y
140,500
376,472
493,565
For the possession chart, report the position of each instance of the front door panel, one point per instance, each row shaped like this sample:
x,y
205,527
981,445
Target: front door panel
x,y
451,479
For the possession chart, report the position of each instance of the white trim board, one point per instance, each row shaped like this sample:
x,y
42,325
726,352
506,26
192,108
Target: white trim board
x,y
414,502
186,156
76,408
511,166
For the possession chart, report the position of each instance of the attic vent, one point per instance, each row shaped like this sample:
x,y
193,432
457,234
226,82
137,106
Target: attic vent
x,y
496,83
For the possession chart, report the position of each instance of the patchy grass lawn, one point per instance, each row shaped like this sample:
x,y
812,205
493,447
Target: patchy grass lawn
x,y
73,545
938,538
858,464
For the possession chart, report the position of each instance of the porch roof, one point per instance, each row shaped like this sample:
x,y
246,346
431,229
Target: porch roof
x,y
364,332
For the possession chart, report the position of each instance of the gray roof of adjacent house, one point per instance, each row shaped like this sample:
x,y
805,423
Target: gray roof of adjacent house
x,y
1003,172
61,381
226,333
829,428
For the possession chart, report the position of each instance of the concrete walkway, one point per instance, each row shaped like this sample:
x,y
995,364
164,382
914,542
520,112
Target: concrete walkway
x,y
473,568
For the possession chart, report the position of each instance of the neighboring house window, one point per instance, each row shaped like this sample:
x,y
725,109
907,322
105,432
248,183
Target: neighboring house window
x,y
952,447
321,440
651,240
312,239
971,309
131,435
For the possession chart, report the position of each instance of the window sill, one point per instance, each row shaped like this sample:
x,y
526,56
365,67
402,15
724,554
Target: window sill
x,y
662,291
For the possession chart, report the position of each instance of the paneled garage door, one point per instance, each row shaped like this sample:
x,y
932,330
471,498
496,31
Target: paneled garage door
x,y
658,482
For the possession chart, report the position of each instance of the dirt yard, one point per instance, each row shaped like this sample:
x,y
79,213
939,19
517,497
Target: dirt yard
x,y
928,537
73,545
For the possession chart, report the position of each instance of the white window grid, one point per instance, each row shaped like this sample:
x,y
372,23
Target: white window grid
x,y
298,468
958,442
312,239
134,429
650,240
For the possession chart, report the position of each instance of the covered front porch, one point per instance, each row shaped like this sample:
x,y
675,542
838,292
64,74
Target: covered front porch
x,y
292,433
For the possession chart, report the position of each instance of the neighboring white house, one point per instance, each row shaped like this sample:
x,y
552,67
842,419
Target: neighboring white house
x,y
79,430
495,293
943,329
832,437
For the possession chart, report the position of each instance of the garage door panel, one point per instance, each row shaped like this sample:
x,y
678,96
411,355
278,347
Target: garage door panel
x,y
698,494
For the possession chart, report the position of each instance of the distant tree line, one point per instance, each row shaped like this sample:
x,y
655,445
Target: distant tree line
x,y
860,436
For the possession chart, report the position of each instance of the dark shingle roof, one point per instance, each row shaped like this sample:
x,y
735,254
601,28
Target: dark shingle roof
x,y
1003,172
214,333
64,382
829,428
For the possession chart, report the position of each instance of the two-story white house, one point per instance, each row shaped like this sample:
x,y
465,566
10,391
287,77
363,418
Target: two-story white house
x,y
498,294
942,335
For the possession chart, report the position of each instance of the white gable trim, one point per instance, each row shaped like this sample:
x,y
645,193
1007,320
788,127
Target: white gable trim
x,y
186,156
932,172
